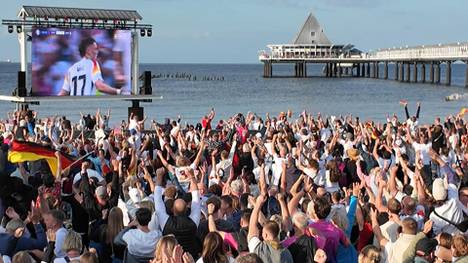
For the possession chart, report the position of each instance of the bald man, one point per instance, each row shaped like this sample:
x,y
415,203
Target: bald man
x,y
180,224
395,250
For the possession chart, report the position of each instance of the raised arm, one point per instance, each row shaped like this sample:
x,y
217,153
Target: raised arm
x,y
378,200
101,86
211,221
294,202
253,229
168,166
196,205
283,182
376,229
392,184
58,175
160,207
284,211
418,109
406,111
295,187
199,154
374,151
149,179
133,160
212,114
262,181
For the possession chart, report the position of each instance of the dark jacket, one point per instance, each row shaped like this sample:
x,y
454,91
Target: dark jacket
x,y
9,245
90,204
303,250
185,231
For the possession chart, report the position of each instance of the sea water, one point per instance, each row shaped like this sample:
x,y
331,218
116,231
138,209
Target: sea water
x,y
233,88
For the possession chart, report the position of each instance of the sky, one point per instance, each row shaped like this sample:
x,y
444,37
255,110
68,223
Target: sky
x,y
233,31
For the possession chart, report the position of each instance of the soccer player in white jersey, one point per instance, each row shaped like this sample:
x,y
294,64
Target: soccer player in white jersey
x,y
84,77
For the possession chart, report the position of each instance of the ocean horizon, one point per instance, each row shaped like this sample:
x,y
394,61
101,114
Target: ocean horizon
x,y
233,88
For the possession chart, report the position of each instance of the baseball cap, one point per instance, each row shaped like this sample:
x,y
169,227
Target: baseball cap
x,y
439,189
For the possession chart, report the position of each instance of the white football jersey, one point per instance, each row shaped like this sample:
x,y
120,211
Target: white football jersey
x,y
81,78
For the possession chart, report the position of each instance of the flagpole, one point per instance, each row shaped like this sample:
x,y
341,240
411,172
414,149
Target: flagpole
x,y
75,162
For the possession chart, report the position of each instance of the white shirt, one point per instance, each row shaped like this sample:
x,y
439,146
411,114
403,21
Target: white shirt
x,y
91,173
346,146
423,151
141,243
99,134
277,169
453,140
329,186
316,176
6,259
81,78
62,259
452,210
325,133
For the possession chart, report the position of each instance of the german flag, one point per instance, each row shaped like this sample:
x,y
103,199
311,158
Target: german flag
x,y
27,151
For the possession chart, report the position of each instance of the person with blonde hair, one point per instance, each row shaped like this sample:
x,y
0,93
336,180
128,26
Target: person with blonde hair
x,y
22,257
89,257
165,246
460,248
73,246
168,250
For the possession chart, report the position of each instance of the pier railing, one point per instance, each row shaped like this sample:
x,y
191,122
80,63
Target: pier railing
x,y
449,52
458,51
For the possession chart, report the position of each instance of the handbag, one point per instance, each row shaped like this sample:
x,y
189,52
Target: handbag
x,y
462,226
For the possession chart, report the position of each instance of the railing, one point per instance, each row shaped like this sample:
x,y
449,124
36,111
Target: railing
x,y
457,51
279,56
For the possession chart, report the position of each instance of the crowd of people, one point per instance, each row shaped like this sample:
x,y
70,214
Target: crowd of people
x,y
289,188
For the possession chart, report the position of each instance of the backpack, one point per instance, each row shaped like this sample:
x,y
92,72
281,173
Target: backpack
x,y
303,250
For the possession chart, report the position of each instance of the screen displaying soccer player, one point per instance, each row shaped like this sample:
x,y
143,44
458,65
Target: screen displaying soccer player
x,y
81,62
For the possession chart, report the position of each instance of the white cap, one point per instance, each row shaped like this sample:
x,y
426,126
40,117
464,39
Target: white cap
x,y
439,189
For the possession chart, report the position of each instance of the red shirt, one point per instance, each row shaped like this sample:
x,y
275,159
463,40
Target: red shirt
x,y
365,236
206,123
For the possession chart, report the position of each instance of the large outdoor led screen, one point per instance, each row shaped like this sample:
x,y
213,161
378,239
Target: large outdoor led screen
x,y
80,62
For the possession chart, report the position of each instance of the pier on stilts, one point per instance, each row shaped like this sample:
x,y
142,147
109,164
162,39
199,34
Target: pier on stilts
x,y
418,64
